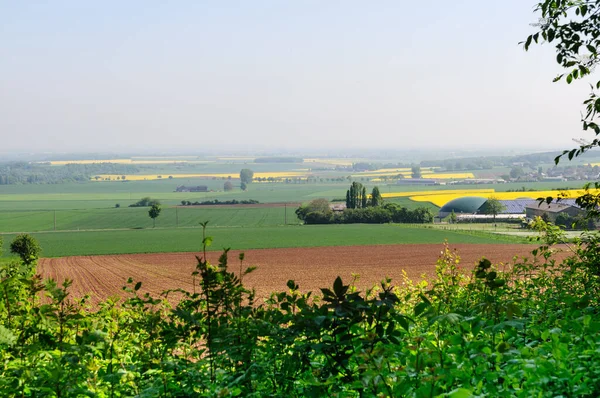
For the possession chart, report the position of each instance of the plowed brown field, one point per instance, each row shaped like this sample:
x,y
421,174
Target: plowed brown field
x,y
311,268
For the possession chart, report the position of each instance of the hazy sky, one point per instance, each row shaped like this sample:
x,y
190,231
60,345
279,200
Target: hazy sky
x,y
158,75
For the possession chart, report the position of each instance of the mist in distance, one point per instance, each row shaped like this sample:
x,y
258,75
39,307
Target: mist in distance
x,y
273,77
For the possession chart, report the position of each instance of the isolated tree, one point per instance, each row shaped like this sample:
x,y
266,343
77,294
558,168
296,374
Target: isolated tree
x,y
154,212
26,247
492,206
376,199
453,217
246,176
516,172
416,171
228,186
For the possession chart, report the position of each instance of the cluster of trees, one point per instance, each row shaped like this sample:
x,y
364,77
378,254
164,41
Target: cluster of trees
x,y
360,208
579,222
35,173
218,202
357,198
318,211
145,202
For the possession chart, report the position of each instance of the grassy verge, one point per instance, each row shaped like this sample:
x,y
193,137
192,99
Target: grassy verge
x,y
158,240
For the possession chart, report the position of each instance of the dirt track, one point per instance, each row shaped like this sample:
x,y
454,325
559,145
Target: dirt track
x,y
311,268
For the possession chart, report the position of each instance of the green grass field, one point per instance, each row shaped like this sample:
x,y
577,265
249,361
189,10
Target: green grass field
x,y
137,217
58,244
107,194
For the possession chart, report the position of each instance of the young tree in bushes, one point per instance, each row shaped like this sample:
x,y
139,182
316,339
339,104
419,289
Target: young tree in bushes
x,y
26,247
364,198
376,199
453,217
153,213
320,205
243,186
228,186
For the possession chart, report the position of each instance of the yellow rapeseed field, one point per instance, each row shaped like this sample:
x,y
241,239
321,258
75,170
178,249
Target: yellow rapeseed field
x,y
458,192
126,161
443,197
147,177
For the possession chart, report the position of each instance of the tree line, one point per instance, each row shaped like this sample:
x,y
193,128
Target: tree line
x,y
33,173
220,202
386,213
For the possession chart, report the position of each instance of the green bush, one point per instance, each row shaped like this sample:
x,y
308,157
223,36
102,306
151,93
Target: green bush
x,y
26,247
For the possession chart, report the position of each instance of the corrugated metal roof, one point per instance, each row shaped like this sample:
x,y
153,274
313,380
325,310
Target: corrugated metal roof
x,y
517,206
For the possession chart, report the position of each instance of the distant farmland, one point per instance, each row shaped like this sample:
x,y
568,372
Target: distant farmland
x,y
137,217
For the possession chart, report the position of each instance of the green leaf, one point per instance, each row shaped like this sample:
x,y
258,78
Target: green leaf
x,y
7,337
403,323
421,307
137,286
460,393
291,284
338,287
207,241
569,78
528,42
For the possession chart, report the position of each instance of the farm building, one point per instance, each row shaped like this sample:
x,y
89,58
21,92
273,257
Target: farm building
x,y
464,205
338,206
517,206
473,206
552,210
197,188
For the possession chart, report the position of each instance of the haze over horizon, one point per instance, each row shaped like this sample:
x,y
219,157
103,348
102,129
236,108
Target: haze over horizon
x,y
266,75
